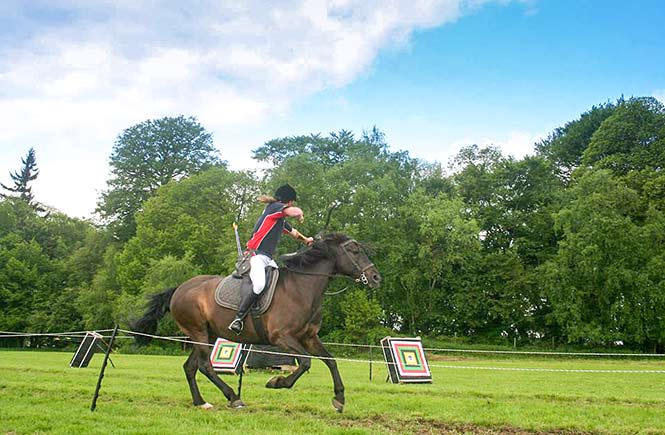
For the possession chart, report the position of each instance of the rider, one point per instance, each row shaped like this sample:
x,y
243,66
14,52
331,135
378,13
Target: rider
x,y
263,243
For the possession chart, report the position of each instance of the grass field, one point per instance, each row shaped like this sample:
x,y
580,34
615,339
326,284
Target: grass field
x,y
39,393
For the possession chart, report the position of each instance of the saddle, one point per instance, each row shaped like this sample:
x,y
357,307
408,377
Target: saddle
x,y
228,292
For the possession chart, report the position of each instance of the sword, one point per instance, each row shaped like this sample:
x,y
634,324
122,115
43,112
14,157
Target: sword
x,y
235,229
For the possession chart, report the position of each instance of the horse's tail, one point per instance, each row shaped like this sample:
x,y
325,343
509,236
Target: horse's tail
x,y
157,307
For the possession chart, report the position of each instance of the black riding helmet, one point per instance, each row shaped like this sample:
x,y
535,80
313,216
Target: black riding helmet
x,y
285,193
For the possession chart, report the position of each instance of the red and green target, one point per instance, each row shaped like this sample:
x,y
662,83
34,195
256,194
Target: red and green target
x,y
228,356
406,360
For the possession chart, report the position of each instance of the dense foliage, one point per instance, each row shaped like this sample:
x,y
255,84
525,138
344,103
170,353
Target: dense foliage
x,y
149,155
563,246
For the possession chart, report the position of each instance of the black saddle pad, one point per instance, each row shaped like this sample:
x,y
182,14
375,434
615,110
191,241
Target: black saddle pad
x,y
227,293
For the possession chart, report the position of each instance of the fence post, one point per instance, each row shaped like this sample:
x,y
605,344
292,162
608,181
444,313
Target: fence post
x,y
370,362
101,373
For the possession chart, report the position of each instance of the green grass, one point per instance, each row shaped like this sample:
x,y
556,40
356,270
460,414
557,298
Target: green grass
x,y
39,393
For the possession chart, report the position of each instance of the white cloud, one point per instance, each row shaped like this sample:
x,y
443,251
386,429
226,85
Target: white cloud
x,y
70,82
517,144
659,95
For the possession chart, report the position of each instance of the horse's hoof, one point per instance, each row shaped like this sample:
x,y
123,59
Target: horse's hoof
x,y
237,404
339,406
206,406
274,382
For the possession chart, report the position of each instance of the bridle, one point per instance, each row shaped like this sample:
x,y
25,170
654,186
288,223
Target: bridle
x,y
362,277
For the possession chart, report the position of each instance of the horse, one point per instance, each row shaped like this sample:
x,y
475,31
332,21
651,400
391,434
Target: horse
x,y
292,322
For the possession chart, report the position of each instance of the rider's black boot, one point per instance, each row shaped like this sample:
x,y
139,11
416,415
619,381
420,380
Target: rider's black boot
x,y
248,299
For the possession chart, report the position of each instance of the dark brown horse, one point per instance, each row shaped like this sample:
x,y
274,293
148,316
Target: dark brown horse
x,y
292,322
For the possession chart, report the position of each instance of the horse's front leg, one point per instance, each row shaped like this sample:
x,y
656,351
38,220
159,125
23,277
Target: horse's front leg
x,y
316,348
291,345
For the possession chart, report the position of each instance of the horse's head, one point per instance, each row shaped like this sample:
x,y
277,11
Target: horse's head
x,y
351,260
338,250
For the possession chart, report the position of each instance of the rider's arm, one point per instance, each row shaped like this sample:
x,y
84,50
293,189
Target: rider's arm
x,y
295,212
300,237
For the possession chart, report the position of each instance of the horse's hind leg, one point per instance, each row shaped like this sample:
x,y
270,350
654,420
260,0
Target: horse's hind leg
x,y
205,367
316,348
304,363
190,367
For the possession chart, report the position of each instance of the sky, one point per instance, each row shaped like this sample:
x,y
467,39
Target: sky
x,y
433,75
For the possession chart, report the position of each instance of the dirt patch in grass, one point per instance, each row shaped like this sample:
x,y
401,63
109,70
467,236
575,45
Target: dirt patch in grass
x,y
423,426
419,425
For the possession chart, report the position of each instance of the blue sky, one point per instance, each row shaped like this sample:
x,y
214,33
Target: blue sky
x,y
503,69
433,75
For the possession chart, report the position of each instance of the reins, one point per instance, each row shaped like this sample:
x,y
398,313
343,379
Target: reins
x,y
329,275
362,278
337,292
302,272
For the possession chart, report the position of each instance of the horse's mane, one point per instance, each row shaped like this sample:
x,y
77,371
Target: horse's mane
x,y
320,250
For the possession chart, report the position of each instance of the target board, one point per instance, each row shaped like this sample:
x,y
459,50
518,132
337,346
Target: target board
x,y
228,356
406,360
86,350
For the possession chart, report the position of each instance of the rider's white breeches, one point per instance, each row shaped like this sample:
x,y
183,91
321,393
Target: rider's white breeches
x,y
257,271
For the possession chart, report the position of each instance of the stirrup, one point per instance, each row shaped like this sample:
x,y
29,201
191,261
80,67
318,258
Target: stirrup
x,y
236,326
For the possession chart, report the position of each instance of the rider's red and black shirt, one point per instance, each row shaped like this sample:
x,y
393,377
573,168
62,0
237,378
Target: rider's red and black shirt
x,y
268,229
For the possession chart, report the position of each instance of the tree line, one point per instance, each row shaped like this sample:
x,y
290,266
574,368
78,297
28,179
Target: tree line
x,y
565,246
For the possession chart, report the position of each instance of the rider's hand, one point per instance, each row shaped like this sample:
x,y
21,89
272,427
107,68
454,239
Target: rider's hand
x,y
309,241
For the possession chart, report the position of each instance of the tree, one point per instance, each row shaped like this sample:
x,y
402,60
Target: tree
x,y
149,155
329,151
475,182
565,146
97,300
632,138
24,276
631,143
342,182
607,281
189,219
512,202
430,258
361,319
22,179
38,287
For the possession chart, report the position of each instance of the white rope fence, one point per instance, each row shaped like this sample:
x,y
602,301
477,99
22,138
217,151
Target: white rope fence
x,y
132,334
8,334
362,361
515,352
12,334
